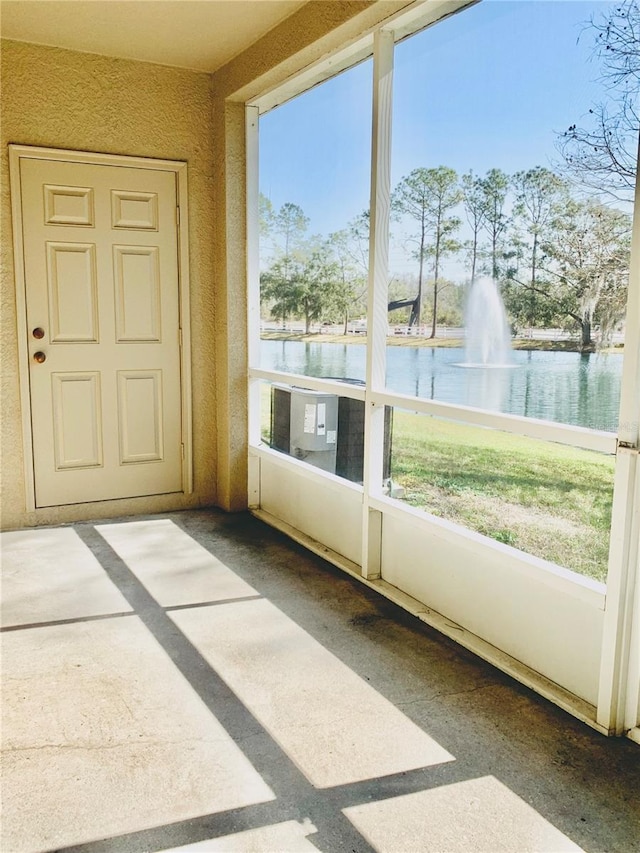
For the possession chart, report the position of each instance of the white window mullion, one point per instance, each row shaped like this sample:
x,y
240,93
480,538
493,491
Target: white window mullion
x,y
631,716
620,662
253,296
377,321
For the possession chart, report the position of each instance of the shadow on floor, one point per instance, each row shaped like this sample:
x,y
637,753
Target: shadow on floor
x,y
197,680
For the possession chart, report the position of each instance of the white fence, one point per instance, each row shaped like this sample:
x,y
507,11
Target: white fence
x,y
357,327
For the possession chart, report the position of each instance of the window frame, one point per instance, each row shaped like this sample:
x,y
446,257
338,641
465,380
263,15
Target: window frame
x,y
620,598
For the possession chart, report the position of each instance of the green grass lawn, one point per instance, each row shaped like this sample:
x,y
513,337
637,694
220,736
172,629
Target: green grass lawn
x,y
546,499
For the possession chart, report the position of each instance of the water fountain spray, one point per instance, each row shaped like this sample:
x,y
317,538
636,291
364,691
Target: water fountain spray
x,y
488,340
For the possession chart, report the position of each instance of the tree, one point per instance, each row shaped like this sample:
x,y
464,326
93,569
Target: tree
x,y
278,286
317,287
589,250
539,194
494,188
290,224
266,214
428,196
346,249
473,199
359,228
603,154
304,284
288,227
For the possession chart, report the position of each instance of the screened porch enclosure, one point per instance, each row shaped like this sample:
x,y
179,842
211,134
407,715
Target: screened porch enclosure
x,y
525,604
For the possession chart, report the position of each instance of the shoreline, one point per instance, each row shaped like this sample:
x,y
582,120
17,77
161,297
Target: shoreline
x,y
535,344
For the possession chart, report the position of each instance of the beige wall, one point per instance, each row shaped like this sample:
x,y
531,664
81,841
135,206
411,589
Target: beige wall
x,y
63,99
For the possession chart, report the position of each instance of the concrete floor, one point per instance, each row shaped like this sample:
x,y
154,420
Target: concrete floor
x,y
197,682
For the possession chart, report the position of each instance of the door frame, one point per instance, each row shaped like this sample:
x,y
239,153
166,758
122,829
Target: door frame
x,y
179,169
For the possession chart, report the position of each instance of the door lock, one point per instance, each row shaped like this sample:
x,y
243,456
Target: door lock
x,y
38,333
40,357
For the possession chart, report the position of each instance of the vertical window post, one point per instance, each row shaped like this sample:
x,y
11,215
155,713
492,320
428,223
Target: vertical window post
x,y
377,321
253,297
619,690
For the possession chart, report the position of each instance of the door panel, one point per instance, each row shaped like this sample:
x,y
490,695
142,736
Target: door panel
x,y
77,421
140,415
137,279
72,292
101,272
134,210
68,205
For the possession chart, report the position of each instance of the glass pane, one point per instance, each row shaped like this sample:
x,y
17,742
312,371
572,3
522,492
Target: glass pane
x,y
511,224
323,430
314,202
546,499
265,412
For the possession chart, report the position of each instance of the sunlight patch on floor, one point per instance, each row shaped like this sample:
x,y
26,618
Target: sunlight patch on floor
x,y
173,567
478,814
49,575
104,736
288,837
330,722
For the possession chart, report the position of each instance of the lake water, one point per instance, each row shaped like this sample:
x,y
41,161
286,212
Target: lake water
x,y
572,388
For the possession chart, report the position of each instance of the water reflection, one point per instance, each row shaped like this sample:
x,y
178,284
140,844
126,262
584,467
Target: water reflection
x,y
486,387
572,388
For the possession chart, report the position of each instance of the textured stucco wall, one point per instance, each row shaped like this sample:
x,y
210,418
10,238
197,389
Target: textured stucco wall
x,y
64,99
314,32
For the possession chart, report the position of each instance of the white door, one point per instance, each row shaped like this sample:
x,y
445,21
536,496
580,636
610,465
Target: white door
x,y
101,274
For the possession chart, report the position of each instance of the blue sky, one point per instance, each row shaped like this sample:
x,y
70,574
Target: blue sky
x,y
486,88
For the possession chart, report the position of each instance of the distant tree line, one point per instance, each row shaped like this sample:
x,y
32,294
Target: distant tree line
x,y
559,259
558,252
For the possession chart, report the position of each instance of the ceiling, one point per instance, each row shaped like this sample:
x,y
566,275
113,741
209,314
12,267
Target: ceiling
x,y
201,35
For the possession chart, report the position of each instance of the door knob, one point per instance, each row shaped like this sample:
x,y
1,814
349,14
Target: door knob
x,y
38,333
39,357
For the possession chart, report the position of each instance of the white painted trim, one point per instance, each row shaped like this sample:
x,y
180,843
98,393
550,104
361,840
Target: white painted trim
x,y
620,667
621,581
253,286
634,735
629,428
179,169
315,74
425,14
329,386
632,704
625,572
304,469
417,16
380,211
95,158
309,543
253,234
574,436
184,284
577,586
22,329
502,661
380,208
583,588
254,483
